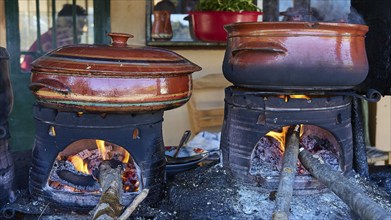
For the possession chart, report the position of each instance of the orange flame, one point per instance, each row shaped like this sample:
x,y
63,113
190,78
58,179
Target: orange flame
x,y
79,164
102,149
126,156
299,97
281,136
287,97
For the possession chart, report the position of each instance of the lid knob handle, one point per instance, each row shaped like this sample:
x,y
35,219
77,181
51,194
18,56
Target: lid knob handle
x,y
119,39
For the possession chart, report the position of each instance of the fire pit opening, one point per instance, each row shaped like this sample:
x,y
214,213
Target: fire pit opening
x,y
254,133
76,168
70,149
266,158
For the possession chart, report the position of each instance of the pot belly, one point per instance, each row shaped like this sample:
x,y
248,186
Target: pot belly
x,y
94,94
303,62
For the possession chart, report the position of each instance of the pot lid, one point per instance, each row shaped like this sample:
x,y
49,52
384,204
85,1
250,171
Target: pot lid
x,y
115,60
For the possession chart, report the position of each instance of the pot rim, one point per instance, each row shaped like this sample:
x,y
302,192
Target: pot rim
x,y
295,28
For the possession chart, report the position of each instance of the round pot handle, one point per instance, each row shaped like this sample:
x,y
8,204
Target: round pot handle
x,y
119,39
50,84
265,47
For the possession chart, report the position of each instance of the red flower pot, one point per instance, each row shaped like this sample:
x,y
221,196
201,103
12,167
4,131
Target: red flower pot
x,y
209,25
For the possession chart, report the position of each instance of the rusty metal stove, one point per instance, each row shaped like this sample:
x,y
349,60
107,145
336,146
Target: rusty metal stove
x,y
251,114
140,134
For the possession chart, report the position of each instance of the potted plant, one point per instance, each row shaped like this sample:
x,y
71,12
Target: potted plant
x,y
210,16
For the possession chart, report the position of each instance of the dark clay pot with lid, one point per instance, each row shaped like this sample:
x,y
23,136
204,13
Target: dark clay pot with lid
x,y
112,78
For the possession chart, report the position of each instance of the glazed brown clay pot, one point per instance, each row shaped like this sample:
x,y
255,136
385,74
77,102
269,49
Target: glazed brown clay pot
x,y
295,55
112,78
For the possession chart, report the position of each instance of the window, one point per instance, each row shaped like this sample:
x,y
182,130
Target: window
x,y
47,24
22,29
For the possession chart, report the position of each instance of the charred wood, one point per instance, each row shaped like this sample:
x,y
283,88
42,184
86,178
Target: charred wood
x,y
360,163
109,206
65,173
287,176
348,192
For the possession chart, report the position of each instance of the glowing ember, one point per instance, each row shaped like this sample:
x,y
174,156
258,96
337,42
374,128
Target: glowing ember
x,y
268,153
287,97
87,161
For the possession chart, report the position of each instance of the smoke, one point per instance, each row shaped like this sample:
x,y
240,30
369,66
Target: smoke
x,y
337,11
324,11
332,10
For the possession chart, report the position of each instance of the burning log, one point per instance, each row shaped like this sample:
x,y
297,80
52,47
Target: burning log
x,y
109,206
287,176
357,201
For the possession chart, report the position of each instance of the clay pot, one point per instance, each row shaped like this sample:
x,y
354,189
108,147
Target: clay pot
x,y
161,27
112,78
295,55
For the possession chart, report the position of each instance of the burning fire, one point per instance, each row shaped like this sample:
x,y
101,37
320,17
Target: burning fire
x,y
79,164
88,160
102,149
281,136
287,97
268,153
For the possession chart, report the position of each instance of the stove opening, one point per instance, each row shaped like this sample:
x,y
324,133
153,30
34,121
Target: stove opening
x,y
266,158
76,168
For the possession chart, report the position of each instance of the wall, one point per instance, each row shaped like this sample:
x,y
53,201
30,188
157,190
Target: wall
x,y
383,124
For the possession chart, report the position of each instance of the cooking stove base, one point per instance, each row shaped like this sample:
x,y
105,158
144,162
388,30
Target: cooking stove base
x,y
140,134
250,115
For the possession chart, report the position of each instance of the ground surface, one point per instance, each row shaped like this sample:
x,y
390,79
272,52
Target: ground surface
x,y
210,192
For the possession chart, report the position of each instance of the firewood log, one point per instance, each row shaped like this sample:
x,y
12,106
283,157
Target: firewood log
x,y
130,209
109,206
287,176
347,191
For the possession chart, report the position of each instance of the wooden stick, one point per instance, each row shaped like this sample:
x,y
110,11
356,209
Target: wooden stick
x,y
109,206
347,191
130,209
287,176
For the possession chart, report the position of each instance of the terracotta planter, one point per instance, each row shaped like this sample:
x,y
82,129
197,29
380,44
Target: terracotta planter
x,y
296,55
112,78
209,25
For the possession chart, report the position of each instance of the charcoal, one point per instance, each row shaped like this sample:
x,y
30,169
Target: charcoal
x,y
77,180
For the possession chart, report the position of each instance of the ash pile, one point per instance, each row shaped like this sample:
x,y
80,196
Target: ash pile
x,y
210,192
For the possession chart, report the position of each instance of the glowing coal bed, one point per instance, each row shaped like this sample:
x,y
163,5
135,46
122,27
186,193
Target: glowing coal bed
x,y
253,134
79,172
266,159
